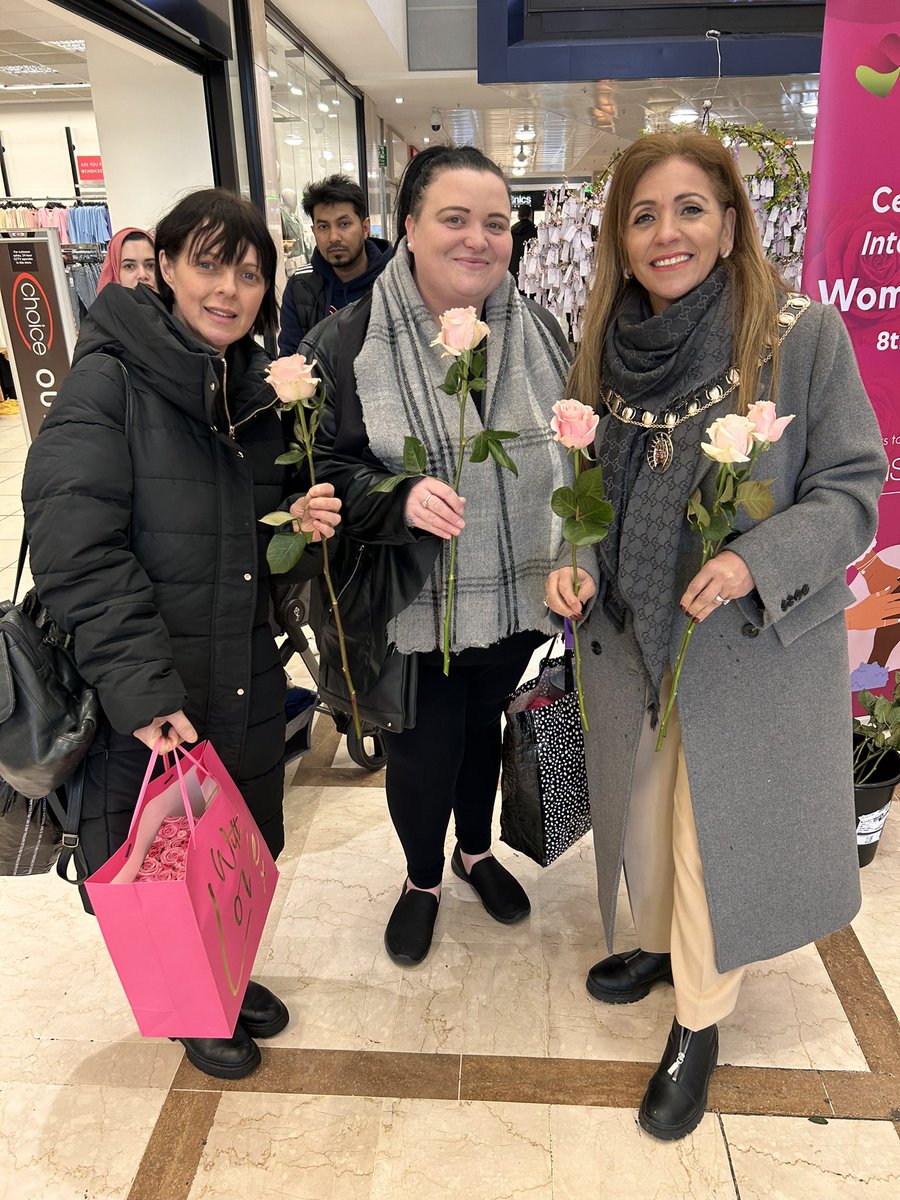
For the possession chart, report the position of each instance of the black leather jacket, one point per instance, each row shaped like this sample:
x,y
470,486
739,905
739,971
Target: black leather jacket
x,y
379,564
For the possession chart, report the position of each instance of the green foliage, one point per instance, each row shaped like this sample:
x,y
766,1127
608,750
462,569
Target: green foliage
x,y
276,518
587,514
415,456
756,497
877,735
289,458
285,550
490,442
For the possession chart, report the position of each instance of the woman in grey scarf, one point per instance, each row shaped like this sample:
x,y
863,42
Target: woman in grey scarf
x,y
737,837
382,380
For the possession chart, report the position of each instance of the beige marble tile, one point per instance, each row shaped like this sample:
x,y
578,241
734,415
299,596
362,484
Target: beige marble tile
x,y
608,1146
790,1158
439,1150
877,922
293,1148
133,1063
567,892
788,1015
59,1143
480,998
581,1027
342,992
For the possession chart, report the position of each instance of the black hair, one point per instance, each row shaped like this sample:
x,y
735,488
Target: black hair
x,y
421,170
221,223
524,212
335,189
137,236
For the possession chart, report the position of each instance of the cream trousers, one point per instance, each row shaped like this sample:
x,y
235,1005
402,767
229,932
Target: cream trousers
x,y
665,882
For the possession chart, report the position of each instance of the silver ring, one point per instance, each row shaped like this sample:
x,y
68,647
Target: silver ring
x,y
427,498
721,600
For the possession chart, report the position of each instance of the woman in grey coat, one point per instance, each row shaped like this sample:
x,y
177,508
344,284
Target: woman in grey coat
x,y
737,838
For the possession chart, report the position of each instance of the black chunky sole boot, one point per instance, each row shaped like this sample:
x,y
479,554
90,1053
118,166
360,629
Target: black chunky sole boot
x,y
625,978
223,1058
675,1099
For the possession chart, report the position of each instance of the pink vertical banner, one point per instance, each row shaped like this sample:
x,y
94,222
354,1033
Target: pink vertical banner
x,y
852,260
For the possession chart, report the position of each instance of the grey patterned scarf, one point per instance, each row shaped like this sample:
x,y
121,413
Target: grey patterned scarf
x,y
511,539
656,363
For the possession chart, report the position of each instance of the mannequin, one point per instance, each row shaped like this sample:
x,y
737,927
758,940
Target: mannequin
x,y
291,227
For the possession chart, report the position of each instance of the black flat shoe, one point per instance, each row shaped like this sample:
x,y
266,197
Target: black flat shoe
x,y
675,1099
408,934
262,1013
624,978
501,894
223,1058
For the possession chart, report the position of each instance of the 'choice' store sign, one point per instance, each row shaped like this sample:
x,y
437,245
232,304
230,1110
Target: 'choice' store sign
x,y
34,323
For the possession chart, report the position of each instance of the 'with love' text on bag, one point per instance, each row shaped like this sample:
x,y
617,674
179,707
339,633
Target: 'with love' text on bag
x,y
184,947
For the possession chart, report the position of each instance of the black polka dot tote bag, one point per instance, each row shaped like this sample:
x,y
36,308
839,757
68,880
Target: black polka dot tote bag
x,y
545,807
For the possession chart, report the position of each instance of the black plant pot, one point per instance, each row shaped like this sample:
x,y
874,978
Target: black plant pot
x,y
873,800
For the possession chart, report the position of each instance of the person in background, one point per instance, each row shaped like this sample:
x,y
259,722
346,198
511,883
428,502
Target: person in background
x,y
738,835
129,260
523,231
391,562
345,263
142,495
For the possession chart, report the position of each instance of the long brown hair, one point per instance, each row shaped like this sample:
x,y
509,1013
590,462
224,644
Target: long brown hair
x,y
756,287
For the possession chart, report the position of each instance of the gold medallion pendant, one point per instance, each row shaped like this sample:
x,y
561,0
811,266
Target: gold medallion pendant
x,y
660,452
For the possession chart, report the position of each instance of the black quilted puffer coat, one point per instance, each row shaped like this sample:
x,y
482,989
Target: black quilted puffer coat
x,y
142,520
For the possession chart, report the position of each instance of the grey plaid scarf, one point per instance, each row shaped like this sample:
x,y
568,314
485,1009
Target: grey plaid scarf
x,y
511,539
658,363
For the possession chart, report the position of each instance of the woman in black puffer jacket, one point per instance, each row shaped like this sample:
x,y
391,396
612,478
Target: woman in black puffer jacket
x,y
142,496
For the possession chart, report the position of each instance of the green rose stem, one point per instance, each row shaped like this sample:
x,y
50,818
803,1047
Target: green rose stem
x,y
576,585
451,577
302,431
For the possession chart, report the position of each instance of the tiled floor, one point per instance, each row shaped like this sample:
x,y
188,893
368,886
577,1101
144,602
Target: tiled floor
x,y
487,1073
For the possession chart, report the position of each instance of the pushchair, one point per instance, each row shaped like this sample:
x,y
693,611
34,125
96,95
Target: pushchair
x,y
292,608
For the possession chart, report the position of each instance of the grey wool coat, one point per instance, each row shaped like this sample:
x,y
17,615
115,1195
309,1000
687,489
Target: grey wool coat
x,y
764,696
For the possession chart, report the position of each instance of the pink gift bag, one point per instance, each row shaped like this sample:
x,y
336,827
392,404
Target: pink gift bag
x,y
184,948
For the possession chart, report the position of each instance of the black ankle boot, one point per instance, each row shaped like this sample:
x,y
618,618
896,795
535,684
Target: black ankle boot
x,y
624,978
262,1013
223,1058
675,1099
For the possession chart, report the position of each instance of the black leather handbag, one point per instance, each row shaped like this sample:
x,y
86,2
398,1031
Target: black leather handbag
x,y
48,714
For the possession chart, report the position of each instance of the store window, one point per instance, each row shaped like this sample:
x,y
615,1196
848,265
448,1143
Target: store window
x,y
316,134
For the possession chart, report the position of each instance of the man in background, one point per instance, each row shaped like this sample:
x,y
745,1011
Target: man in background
x,y
345,263
523,231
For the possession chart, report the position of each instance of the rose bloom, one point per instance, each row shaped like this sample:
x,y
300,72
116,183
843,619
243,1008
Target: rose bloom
x,y
460,330
730,439
574,423
767,425
292,378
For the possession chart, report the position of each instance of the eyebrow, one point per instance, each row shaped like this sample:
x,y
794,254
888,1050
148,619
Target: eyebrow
x,y
461,208
680,196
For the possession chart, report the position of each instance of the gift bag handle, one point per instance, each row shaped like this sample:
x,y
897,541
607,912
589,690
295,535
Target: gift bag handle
x,y
148,774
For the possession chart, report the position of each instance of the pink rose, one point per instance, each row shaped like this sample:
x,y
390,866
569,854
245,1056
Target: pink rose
x,y
292,378
767,425
730,439
460,330
574,423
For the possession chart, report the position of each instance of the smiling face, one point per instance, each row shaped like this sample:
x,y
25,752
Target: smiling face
x,y
137,264
461,239
675,230
217,301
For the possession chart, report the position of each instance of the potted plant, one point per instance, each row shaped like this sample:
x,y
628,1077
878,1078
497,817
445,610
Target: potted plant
x,y
876,766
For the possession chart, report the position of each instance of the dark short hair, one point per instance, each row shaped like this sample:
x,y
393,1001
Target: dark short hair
x,y
137,235
421,170
219,222
335,189
523,212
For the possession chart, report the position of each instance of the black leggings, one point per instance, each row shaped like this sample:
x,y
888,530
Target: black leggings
x,y
450,761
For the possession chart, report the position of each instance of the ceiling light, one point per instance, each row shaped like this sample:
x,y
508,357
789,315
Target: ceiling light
x,y
517,171
296,91
33,87
322,106
684,115
333,116
73,45
398,99
811,108
293,139
336,102
426,140
521,155
327,155
28,69
525,134
273,74
348,165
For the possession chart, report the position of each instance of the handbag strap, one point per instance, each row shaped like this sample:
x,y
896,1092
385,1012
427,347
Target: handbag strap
x,y
567,663
23,550
69,818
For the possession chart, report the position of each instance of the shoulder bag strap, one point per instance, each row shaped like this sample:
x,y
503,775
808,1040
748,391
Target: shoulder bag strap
x,y
69,817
